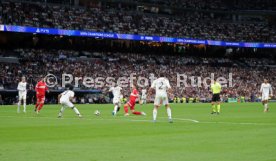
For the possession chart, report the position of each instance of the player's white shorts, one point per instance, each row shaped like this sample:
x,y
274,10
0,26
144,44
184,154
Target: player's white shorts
x,y
67,104
159,100
22,95
265,96
116,101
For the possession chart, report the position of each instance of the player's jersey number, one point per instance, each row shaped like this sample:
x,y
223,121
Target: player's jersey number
x,y
161,86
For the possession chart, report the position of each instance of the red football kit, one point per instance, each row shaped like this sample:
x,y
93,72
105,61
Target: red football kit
x,y
131,103
40,88
132,99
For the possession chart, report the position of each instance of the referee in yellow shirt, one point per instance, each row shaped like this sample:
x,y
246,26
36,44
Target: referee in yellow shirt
x,y
215,88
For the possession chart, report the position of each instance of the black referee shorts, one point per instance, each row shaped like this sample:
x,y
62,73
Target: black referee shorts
x,y
216,98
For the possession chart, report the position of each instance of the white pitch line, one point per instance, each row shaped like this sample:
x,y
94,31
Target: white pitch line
x,y
208,122
84,118
99,118
142,120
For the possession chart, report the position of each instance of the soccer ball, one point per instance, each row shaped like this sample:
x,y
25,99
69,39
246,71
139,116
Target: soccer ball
x,y
97,113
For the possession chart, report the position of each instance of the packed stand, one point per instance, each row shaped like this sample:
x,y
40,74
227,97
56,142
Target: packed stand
x,y
33,63
267,5
187,25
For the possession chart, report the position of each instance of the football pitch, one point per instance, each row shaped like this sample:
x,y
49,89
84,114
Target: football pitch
x,y
242,132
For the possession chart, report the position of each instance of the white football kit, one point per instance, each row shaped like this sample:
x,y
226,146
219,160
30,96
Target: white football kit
x,y
144,94
65,102
116,91
65,98
22,90
161,85
265,89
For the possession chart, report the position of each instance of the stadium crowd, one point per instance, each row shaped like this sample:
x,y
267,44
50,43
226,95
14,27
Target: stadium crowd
x,y
216,4
221,5
188,24
246,81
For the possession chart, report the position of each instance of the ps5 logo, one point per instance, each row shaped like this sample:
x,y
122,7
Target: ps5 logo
x,y
42,30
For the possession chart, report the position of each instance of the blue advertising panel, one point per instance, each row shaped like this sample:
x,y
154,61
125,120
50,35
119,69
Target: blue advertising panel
x,y
63,32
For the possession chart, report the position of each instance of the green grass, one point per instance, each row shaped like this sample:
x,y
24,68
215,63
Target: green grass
x,y
241,133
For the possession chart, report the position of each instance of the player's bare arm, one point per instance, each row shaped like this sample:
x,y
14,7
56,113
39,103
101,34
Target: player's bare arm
x,y
150,91
170,92
59,98
71,99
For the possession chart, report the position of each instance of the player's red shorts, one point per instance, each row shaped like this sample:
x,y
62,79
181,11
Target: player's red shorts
x,y
40,98
131,104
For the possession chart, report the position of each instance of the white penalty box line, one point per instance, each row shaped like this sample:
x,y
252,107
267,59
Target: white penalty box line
x,y
142,120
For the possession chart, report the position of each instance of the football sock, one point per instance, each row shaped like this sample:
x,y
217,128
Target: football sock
x,y
61,111
154,114
40,106
36,105
115,109
214,108
126,109
18,106
218,108
169,112
136,113
76,110
265,106
24,105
